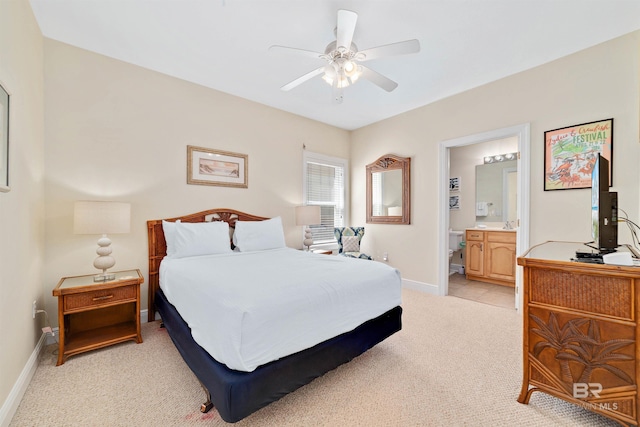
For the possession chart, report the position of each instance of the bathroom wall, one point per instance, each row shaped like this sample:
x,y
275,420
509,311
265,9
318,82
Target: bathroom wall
x,y
463,162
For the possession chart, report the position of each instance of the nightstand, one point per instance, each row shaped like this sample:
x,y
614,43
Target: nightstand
x,y
94,315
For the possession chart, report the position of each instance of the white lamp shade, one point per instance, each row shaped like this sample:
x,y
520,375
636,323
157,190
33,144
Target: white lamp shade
x,y
307,215
94,217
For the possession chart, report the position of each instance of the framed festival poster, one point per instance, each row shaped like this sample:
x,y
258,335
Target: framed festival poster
x,y
571,152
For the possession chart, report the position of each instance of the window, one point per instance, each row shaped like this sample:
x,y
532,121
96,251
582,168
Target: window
x,y
325,183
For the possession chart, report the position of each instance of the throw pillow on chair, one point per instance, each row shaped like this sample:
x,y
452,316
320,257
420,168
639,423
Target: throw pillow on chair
x,y
350,244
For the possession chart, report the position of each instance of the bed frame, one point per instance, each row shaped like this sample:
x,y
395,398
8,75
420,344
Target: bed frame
x,y
238,394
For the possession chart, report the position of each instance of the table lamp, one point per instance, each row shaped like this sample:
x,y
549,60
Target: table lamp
x,y
307,215
95,217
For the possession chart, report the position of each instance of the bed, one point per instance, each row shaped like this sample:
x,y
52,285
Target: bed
x,y
253,382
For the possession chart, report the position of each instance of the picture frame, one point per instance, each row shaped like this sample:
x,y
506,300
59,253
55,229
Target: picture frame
x,y
206,166
454,183
570,153
454,203
4,140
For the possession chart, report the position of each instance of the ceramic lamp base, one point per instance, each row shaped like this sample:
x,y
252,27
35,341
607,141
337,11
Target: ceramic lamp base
x,y
308,238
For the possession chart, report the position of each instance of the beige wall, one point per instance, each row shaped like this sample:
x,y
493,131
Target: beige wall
x,y
21,209
115,131
597,83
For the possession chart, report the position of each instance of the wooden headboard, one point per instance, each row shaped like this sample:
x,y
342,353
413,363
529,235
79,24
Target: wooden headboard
x,y
158,245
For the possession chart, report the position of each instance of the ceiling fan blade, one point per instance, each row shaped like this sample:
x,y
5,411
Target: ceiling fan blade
x,y
393,49
378,79
294,50
303,79
345,29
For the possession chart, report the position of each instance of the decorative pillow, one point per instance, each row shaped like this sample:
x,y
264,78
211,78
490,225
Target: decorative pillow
x,y
201,238
259,235
350,244
169,229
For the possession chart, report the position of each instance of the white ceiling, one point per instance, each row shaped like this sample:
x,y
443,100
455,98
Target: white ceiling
x,y
223,44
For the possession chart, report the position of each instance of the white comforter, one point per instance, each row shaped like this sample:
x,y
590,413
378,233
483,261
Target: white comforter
x,y
248,309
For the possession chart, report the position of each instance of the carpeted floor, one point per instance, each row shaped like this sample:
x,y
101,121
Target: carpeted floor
x,y
455,363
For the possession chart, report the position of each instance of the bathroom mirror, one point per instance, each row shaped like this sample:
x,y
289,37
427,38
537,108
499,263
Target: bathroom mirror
x,y
389,190
496,191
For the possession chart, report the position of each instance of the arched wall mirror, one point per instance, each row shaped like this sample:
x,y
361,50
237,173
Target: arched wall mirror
x,y
389,190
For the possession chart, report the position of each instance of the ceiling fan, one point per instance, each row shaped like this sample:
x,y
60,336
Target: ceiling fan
x,y
343,59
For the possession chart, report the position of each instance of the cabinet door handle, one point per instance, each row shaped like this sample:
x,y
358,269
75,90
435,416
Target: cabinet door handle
x,y
481,247
103,298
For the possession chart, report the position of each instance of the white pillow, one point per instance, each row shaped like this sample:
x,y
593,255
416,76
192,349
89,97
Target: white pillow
x,y
259,235
201,238
169,229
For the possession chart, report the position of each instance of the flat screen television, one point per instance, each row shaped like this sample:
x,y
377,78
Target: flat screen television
x,y
604,208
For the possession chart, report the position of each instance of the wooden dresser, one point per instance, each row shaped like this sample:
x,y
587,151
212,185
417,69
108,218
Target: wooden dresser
x,y
581,331
491,256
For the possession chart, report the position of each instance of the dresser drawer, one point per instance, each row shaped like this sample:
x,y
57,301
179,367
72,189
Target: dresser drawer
x,y
75,302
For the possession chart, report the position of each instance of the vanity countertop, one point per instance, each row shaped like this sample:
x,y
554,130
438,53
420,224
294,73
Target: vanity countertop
x,y
493,229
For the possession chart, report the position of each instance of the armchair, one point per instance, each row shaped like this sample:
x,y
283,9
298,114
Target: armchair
x,y
349,241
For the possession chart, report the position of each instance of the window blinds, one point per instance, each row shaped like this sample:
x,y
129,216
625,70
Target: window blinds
x,y
325,187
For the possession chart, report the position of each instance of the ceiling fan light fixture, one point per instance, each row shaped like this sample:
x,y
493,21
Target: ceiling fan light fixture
x,y
355,74
329,75
350,68
343,81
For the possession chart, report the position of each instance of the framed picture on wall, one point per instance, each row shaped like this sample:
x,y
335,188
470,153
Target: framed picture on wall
x,y
454,203
4,140
454,183
570,154
206,166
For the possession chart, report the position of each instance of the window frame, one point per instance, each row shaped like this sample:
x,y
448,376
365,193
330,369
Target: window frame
x,y
311,157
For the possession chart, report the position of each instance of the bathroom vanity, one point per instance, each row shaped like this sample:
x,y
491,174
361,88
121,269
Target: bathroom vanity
x,y
491,256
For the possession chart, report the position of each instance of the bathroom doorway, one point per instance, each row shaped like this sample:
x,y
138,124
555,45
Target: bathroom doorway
x,y
521,135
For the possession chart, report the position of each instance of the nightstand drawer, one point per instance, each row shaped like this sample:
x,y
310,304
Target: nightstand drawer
x,y
83,300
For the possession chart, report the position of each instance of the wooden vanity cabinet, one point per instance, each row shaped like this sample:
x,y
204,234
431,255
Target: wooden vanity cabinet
x,y
491,256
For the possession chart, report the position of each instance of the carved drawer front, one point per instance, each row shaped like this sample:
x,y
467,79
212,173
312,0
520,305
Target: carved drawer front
x,y
600,295
79,301
573,355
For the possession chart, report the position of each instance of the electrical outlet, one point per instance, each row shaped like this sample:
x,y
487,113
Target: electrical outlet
x,y
34,307
385,256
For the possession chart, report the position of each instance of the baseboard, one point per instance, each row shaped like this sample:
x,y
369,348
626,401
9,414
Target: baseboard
x,y
420,286
10,405
12,402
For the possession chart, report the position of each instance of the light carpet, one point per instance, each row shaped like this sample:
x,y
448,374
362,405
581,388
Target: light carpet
x,y
455,363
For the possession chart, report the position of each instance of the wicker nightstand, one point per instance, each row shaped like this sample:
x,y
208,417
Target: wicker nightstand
x,y
94,315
